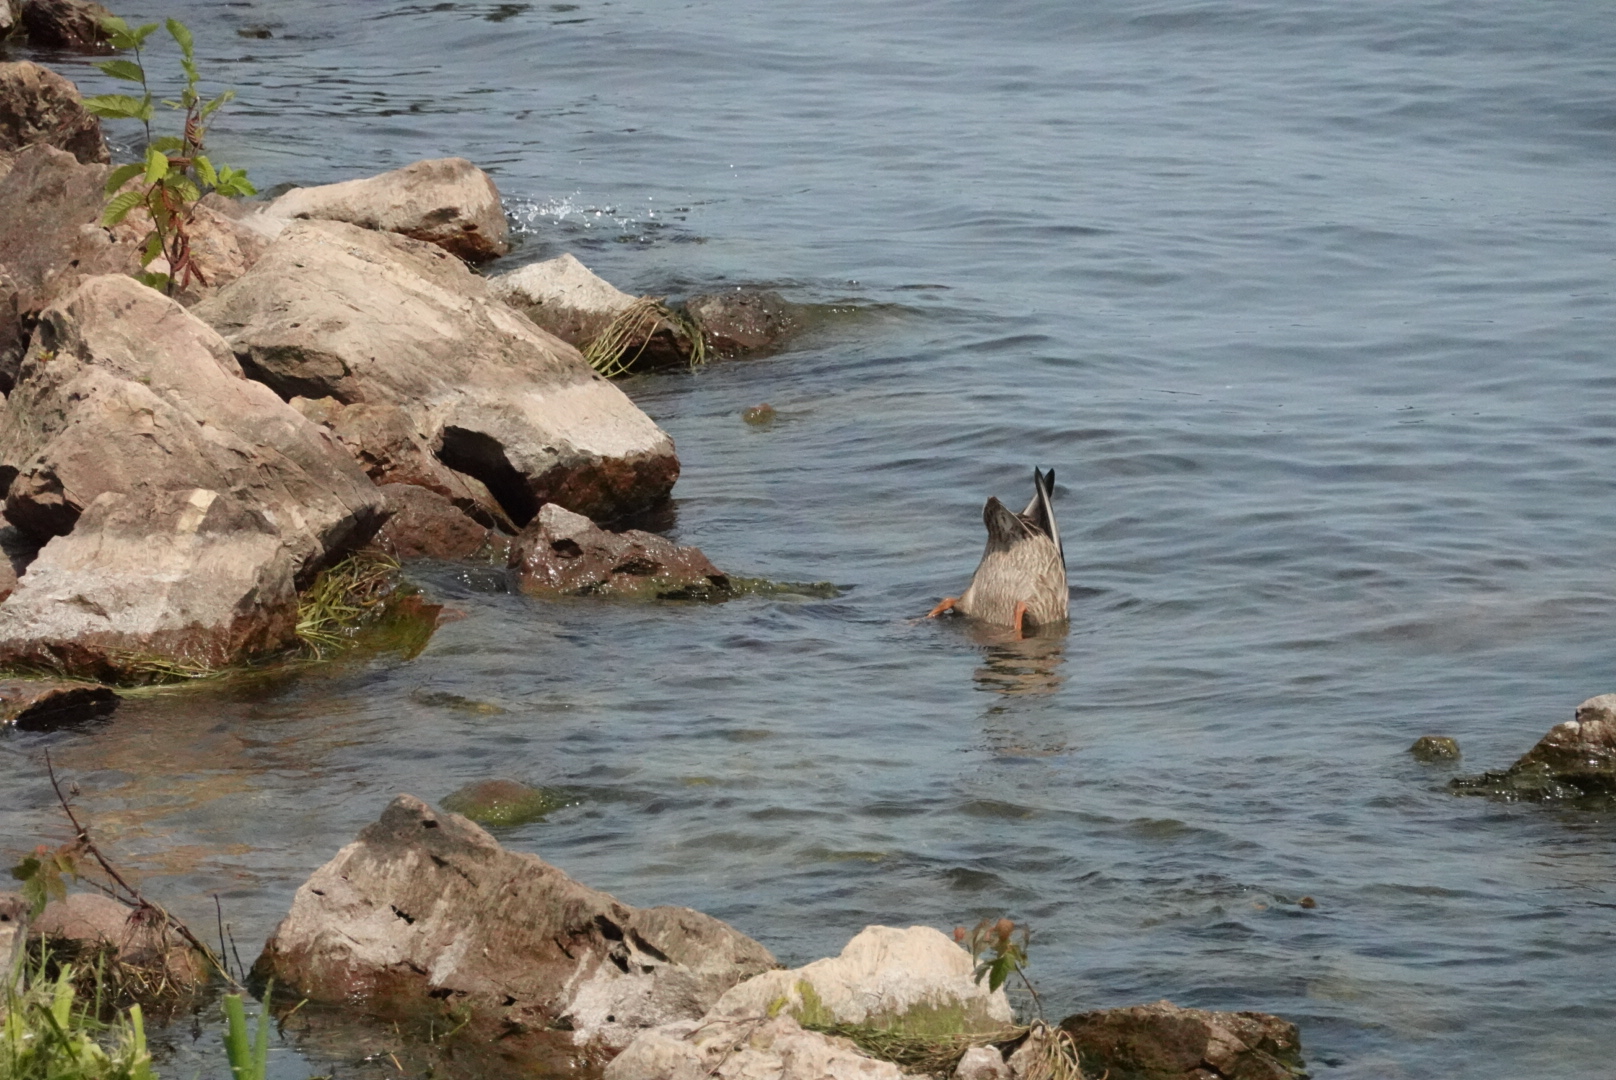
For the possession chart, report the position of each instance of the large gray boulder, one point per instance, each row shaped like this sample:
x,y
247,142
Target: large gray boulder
x,y
39,106
426,913
1575,760
183,503
333,310
445,201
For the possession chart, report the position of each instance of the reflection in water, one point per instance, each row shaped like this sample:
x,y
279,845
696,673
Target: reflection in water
x,y
1020,666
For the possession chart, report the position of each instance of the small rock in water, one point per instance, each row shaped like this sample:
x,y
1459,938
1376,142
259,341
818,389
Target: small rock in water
x,y
254,32
758,415
502,803
41,705
565,554
1435,748
1307,902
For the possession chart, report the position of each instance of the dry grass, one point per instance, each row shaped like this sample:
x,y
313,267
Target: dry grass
x,y
609,351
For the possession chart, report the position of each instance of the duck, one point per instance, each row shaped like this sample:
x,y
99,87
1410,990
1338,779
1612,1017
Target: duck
x,y
1021,579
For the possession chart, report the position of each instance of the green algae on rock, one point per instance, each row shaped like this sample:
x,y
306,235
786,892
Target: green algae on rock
x,y
503,803
1429,748
1575,761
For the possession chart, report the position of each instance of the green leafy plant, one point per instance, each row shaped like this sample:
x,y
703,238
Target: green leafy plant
x,y
45,873
175,172
249,1060
999,948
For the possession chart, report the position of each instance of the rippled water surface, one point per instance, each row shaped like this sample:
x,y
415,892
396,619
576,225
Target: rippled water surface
x,y
1310,306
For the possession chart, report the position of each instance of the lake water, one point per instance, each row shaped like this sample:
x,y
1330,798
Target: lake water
x,y
1310,306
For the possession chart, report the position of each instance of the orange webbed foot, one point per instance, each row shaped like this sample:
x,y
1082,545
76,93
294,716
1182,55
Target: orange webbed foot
x,y
1019,618
947,605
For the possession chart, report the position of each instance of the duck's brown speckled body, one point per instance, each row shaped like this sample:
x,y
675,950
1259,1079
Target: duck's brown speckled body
x,y
1022,576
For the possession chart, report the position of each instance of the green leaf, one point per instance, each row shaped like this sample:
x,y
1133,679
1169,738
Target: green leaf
x,y
119,207
154,281
152,248
123,69
112,24
181,183
213,106
204,169
1002,967
156,165
115,106
25,870
182,34
168,144
142,33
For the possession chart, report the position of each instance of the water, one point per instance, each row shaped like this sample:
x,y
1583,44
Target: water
x,y
1310,307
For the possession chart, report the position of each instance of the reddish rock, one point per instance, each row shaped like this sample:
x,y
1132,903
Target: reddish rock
x,y
425,913
424,524
74,25
39,106
1575,759
744,321
42,704
1166,1042
44,201
565,554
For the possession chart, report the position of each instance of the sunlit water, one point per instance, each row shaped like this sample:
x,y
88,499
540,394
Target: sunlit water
x,y
1309,304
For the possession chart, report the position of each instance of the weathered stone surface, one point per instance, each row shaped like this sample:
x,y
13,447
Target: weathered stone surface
x,y
13,333
1435,748
65,24
744,321
1576,759
42,704
13,913
915,979
10,13
566,298
754,1048
90,922
187,503
445,201
426,912
982,1063
44,200
392,449
221,249
424,525
1165,1042
332,310
565,554
39,106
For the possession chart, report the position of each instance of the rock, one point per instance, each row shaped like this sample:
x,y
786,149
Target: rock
x,y
13,332
39,106
916,980
13,918
982,1063
187,503
426,912
222,249
422,524
44,704
566,298
332,310
755,1048
1574,760
503,803
74,25
446,201
90,923
1166,1042
10,13
759,415
565,554
744,321
389,446
1435,748
44,201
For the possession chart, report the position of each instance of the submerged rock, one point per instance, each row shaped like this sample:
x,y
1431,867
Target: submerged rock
x,y
74,25
43,704
566,298
1435,748
426,914
744,322
445,201
1576,759
561,553
332,310
503,803
1165,1042
39,106
183,505
914,983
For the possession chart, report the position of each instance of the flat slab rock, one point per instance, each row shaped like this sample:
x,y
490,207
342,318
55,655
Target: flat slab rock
x,y
335,311
1576,759
426,914
44,704
561,553
1166,1042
